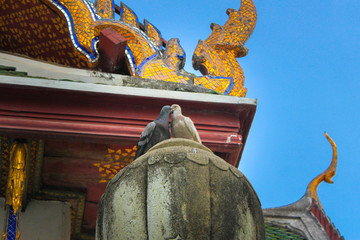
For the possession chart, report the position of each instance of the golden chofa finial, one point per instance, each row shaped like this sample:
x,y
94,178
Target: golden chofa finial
x,y
326,175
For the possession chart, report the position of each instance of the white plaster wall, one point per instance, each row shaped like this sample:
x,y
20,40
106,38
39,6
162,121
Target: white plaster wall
x,y
42,220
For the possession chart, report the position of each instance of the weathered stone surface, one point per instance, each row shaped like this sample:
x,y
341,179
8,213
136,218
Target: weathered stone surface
x,y
122,209
180,190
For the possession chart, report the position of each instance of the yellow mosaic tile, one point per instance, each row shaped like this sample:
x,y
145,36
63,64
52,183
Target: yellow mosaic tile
x,y
105,8
219,85
174,55
128,16
31,28
114,161
152,33
216,56
136,42
157,69
82,18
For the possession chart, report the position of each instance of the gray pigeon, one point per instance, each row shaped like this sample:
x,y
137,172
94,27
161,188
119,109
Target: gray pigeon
x,y
181,126
154,132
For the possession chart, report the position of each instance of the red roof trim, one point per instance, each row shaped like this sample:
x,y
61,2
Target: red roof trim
x,y
41,112
324,220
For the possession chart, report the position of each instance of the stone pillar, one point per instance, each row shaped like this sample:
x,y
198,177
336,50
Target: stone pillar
x,y
179,190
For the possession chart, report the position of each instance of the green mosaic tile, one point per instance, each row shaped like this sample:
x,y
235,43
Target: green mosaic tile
x,y
275,232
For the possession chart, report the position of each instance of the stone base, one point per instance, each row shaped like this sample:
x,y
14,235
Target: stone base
x,y
180,190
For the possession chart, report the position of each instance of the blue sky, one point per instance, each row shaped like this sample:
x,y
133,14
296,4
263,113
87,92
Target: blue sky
x,y
303,67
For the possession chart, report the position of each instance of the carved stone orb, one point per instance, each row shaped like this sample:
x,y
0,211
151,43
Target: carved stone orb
x,y
179,190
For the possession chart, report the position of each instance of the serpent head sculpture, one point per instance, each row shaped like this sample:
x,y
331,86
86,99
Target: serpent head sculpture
x,y
216,56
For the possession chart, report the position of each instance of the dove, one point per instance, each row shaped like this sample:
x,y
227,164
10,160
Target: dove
x,y
181,126
155,132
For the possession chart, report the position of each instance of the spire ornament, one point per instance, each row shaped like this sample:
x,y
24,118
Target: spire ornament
x,y
326,175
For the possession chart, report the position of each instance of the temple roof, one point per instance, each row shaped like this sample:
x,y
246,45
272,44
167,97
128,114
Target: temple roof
x,y
80,119
98,96
307,215
22,66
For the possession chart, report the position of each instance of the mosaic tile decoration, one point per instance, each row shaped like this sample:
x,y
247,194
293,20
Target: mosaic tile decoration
x,y
5,151
153,33
216,56
165,67
35,189
275,232
35,165
174,55
31,28
139,46
128,16
105,8
169,67
67,32
12,223
79,15
114,161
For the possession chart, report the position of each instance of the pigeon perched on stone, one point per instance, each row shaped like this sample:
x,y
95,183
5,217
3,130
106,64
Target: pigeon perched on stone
x,y
181,126
155,132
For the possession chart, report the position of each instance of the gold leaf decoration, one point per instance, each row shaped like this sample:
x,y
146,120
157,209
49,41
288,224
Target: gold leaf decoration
x,y
115,160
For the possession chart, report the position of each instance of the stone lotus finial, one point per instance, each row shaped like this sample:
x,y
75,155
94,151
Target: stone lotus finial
x,y
179,190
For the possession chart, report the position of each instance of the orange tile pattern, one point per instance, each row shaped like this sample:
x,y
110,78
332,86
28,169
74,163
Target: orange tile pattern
x,y
128,16
66,32
153,33
156,69
216,56
31,28
82,17
165,67
136,42
174,55
105,8
218,84
114,161
169,68
5,153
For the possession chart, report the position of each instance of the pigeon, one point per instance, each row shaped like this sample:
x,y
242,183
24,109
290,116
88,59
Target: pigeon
x,y
155,132
181,126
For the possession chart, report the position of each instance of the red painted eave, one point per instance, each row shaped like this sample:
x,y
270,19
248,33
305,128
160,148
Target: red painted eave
x,y
37,108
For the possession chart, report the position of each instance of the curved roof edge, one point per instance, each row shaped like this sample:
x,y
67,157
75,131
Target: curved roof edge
x,y
307,214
